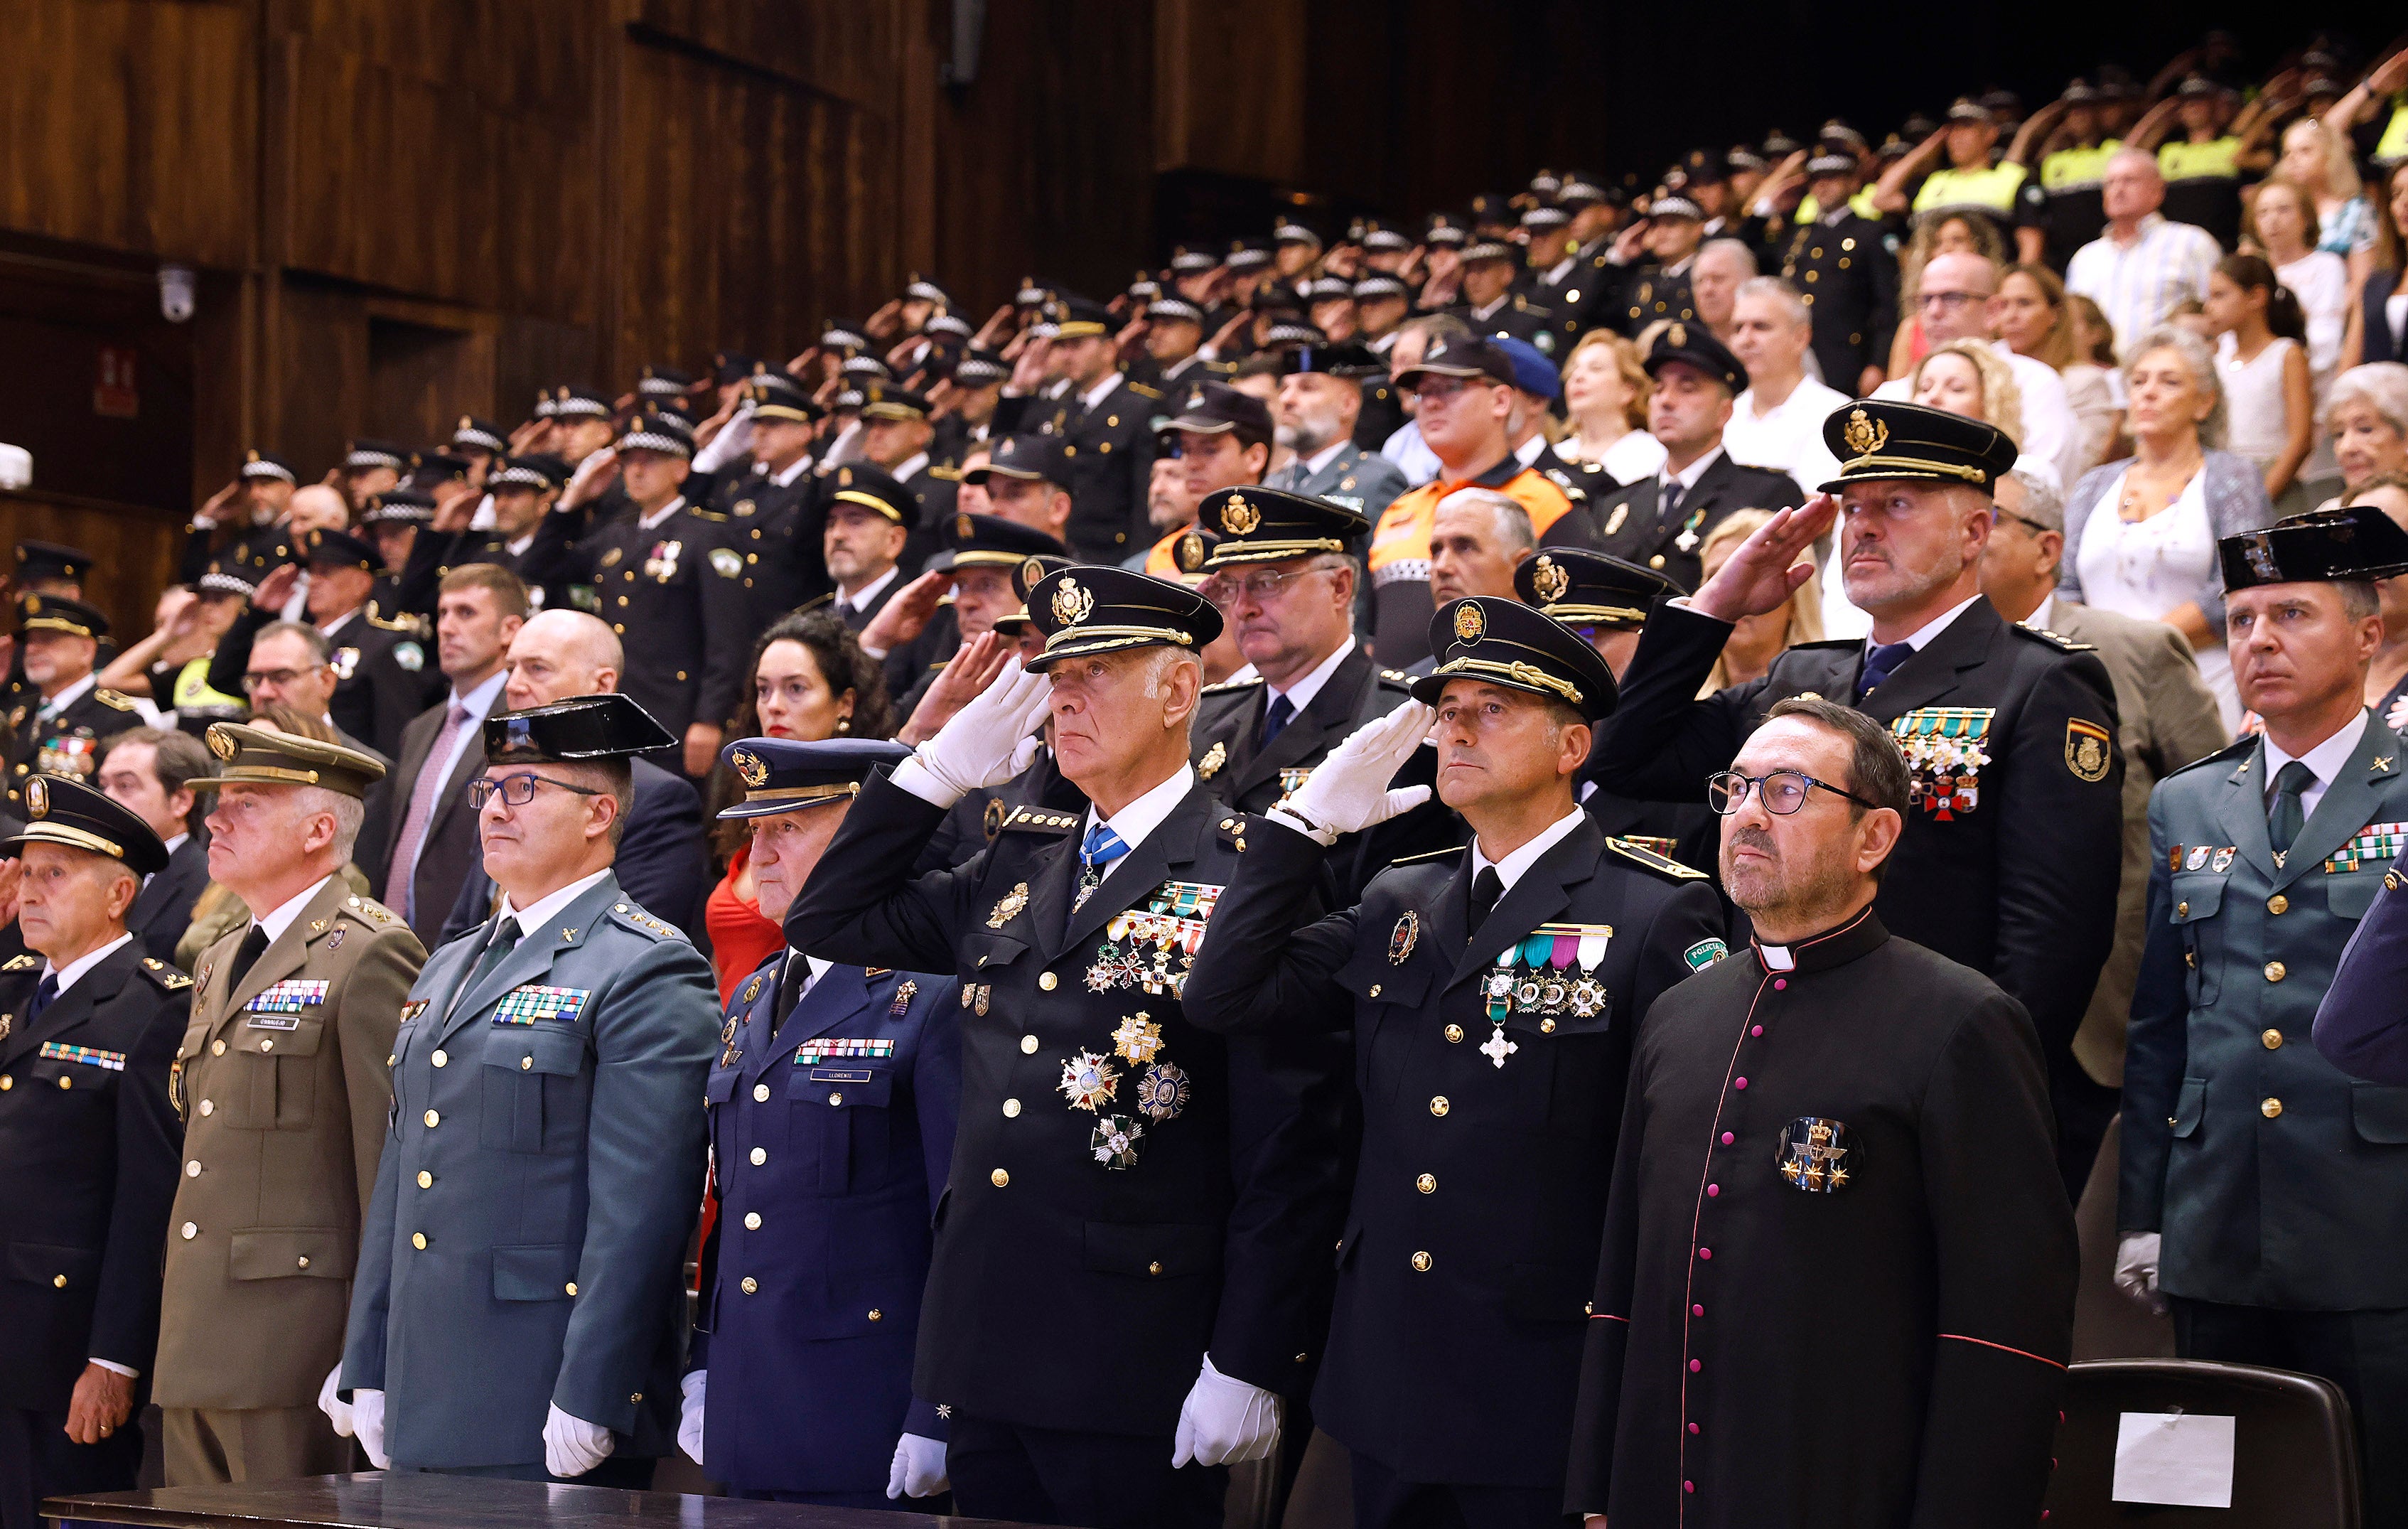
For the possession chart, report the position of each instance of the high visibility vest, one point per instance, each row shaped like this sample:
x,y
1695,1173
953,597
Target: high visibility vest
x,y
2072,169
2183,160
1993,189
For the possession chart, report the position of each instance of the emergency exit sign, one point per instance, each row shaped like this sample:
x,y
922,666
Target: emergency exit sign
x,y
114,395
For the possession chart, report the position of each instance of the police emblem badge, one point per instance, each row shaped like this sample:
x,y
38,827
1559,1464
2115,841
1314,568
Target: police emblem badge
x,y
1400,939
750,767
2198,860
1072,604
1549,580
1469,621
2222,861
2086,749
1238,518
37,797
1009,907
1815,1154
1863,434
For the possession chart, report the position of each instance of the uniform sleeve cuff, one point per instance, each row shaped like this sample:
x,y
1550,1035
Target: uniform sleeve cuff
x,y
916,778
928,1421
115,1368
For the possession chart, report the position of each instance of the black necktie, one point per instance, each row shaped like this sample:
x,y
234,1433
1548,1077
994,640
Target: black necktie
x,y
790,987
504,940
1486,888
45,993
254,945
2286,813
1275,716
1671,498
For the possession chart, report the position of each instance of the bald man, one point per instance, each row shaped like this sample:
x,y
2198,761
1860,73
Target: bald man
x,y
663,861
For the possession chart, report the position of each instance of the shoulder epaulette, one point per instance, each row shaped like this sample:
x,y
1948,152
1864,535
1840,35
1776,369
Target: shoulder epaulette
x,y
641,922
1397,677
21,963
1662,864
817,600
2228,751
165,975
403,623
948,475
2060,643
113,700
1039,820
1144,392
1428,855
1233,684
711,515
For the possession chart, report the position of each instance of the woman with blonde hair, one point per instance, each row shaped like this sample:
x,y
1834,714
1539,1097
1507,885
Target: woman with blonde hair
x,y
2037,318
2318,161
1756,640
1605,401
1965,377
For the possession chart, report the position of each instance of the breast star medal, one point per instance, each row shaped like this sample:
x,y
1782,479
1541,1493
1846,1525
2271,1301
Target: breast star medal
x,y
1400,939
1009,908
1162,1092
1138,1039
1114,1142
1089,1081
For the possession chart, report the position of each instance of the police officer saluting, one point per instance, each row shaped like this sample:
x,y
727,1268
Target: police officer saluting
x,y
1493,992
519,1309
832,1109
1138,1211
88,1026
2260,1184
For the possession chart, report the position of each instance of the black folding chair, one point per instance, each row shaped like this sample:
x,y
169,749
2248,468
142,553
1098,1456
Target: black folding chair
x,y
2294,1451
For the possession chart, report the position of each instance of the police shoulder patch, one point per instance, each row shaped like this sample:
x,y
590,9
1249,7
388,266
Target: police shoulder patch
x,y
113,700
1039,820
1661,864
1704,954
2061,643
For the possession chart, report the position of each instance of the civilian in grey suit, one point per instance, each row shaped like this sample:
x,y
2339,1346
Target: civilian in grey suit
x,y
2166,717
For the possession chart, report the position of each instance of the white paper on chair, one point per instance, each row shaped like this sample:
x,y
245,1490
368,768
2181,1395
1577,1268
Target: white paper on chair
x,y
2180,1459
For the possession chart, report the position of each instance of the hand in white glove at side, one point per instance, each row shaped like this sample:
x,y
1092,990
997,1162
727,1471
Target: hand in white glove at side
x,y
919,1468
690,1414
1348,791
572,1446
985,743
367,1422
1224,1421
2136,1268
338,1411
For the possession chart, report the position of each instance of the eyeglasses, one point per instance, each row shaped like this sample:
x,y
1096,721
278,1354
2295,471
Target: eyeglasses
x,y
518,790
1433,389
1783,792
257,680
1951,299
2031,524
1262,587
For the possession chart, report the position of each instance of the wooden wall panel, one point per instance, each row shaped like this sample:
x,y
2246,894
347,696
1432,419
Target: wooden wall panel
x,y
847,51
134,547
1230,87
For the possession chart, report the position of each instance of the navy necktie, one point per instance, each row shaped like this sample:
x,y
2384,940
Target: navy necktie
x,y
45,993
1488,890
1880,661
1276,717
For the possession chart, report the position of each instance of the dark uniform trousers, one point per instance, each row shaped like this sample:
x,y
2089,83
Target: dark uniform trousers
x,y
1128,1192
2273,1177
2013,873
88,1139
812,1275
1489,1125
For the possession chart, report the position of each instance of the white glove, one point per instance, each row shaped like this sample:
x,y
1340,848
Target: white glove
x,y
1224,1421
728,444
2136,1268
338,1411
986,742
919,1468
690,1415
484,519
367,1422
1348,791
572,1446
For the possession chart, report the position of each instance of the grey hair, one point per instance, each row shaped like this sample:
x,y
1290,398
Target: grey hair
x,y
2140,156
1730,247
2360,598
2199,361
1791,301
2044,505
349,813
2381,386
1510,522
321,650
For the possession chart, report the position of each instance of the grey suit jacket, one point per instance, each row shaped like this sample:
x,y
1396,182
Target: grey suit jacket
x,y
1363,481
2164,718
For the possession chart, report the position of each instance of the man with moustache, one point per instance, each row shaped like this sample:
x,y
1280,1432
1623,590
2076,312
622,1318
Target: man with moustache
x,y
2013,847
866,518
1929,1276
1320,397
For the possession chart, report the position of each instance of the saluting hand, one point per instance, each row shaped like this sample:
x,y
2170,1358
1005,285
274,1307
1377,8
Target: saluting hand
x,y
989,741
1766,572
1348,791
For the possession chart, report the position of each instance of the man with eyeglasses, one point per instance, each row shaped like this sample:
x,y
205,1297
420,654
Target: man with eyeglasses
x,y
1955,299
1927,1274
1493,992
519,1309
2013,847
1463,396
1221,438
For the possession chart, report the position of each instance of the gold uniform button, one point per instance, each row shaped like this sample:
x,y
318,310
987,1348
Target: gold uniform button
x,y
2270,1108
1454,1034
2275,972
835,1099
1047,981
1154,1268
748,1285
67,1083
751,1221
998,1179
2273,1039
526,1065
571,1286
1375,993
1427,1183
1028,1045
418,1240
58,1281
190,1231
761,1092
2182,910
876,1315
760,1156
2278,904
425,1179
1012,1109
301,1262
7,1084
433,1119
217,1049
1438,1105
1546,1027
1421,1263
441,1057
1656,561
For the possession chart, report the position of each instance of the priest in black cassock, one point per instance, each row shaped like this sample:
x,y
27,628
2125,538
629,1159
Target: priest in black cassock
x,y
1837,1281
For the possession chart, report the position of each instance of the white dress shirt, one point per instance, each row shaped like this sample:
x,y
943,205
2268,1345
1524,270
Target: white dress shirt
x,y
1921,638
1787,436
68,697
869,591
660,517
1144,816
541,910
279,919
1510,869
2327,759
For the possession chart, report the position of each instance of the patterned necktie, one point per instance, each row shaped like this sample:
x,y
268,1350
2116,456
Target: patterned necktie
x,y
400,891
1101,848
1880,661
45,993
1275,717
2286,811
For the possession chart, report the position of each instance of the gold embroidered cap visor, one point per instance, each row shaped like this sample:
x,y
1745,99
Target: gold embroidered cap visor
x,y
1876,439
788,776
71,814
1506,643
249,756
1088,609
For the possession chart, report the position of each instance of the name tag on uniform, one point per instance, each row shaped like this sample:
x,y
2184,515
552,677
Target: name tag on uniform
x,y
272,1021
90,1055
526,1005
831,1075
291,996
831,1047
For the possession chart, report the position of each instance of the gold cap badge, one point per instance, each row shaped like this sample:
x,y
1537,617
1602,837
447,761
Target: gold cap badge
x,y
1469,621
37,797
1238,518
748,764
1863,434
1071,604
1549,580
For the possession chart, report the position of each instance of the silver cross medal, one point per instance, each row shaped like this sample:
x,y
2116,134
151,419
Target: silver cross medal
x,y
1496,1047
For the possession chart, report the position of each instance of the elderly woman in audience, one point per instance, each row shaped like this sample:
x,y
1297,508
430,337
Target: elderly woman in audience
x,y
2366,421
1605,396
1756,640
2035,317
810,682
2141,534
